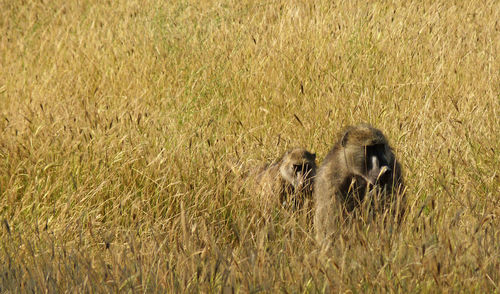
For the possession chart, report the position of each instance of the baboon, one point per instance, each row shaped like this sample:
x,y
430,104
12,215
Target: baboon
x,y
360,164
288,181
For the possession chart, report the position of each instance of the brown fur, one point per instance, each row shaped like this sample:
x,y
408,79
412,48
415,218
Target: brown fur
x,y
279,183
342,181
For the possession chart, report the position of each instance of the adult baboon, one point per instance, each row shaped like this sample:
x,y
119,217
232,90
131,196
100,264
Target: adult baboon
x,y
288,181
360,164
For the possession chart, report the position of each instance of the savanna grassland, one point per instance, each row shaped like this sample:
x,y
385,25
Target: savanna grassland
x,y
127,128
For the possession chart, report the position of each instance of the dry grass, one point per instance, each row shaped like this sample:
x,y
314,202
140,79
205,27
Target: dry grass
x,y
125,126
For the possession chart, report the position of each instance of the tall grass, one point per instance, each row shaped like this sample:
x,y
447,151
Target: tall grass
x,y
126,129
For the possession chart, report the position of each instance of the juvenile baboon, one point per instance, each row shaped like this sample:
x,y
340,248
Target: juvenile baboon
x,y
360,164
288,181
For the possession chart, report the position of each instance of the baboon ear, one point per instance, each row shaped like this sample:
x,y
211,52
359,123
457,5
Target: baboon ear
x,y
313,156
343,142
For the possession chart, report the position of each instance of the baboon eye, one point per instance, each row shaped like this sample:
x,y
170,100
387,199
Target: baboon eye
x,y
301,167
298,167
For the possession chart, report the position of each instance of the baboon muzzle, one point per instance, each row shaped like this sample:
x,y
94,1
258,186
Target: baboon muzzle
x,y
378,174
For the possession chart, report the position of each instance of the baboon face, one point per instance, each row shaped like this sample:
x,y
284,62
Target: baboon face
x,y
298,168
367,155
370,163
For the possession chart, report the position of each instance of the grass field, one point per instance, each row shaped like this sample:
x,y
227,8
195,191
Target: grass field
x,y
126,128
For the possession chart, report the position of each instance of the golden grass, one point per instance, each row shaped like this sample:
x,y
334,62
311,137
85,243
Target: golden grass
x,y
125,127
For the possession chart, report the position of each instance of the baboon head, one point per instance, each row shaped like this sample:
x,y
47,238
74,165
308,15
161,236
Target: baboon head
x,y
367,155
298,167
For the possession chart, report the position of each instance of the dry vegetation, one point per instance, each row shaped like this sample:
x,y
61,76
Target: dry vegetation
x,y
126,127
